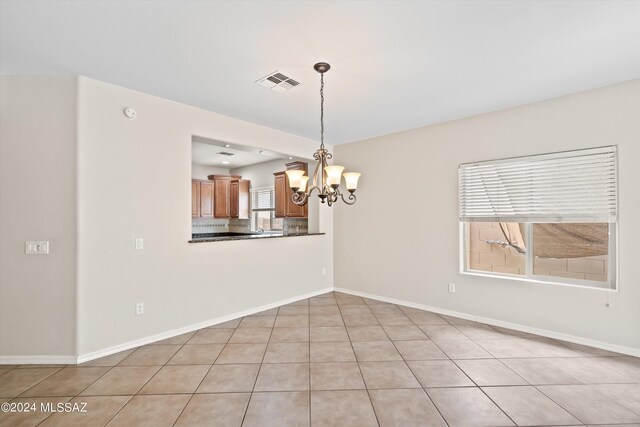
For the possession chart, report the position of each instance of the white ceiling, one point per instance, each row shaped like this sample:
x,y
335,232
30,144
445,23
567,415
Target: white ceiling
x,y
206,152
395,65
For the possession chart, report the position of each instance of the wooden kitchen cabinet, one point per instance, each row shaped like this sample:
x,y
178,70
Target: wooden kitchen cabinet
x,y
195,199
201,198
284,206
239,198
280,189
222,203
231,196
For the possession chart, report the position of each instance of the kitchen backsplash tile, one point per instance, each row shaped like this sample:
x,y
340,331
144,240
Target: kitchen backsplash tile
x,y
209,225
295,226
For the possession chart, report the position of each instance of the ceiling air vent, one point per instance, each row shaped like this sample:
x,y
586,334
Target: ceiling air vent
x,y
277,82
225,153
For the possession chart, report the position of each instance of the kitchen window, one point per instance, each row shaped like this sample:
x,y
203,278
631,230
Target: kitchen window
x,y
548,218
263,210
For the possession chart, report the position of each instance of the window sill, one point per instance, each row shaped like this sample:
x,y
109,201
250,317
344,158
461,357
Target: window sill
x,y
251,237
530,280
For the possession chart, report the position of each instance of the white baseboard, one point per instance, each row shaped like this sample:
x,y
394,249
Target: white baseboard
x,y
495,322
70,360
37,360
58,359
179,331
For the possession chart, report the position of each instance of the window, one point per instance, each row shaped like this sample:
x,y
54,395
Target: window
x,y
263,210
549,218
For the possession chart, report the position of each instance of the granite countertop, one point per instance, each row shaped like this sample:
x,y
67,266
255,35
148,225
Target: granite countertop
x,y
223,237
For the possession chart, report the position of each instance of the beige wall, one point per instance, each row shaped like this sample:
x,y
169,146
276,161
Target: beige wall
x,y
135,181
38,129
412,176
72,161
202,172
261,174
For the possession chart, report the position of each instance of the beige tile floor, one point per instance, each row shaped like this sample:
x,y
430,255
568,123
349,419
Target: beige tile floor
x,y
337,360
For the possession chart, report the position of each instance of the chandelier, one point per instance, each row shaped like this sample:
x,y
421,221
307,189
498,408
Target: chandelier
x,y
326,179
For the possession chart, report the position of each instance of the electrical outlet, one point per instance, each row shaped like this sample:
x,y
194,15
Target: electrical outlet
x,y
139,243
139,308
452,288
37,247
324,271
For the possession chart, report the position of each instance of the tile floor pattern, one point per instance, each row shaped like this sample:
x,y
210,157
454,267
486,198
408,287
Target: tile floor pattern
x,y
337,360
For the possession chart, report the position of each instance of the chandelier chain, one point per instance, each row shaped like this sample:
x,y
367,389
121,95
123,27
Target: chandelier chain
x,y
322,110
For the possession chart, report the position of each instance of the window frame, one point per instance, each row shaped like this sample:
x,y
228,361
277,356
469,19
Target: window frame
x,y
254,212
610,285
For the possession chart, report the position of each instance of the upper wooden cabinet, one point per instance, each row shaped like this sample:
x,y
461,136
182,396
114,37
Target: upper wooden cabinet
x,y
284,207
234,190
195,199
221,204
201,198
280,188
231,196
206,199
239,198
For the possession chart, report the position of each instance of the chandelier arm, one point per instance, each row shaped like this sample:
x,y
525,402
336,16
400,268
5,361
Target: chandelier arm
x,y
300,199
352,198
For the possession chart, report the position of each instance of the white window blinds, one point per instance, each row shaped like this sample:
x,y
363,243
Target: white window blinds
x,y
571,186
262,199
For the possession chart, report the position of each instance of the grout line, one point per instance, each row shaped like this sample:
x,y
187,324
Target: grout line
x,y
411,370
147,382
483,392
309,364
42,380
205,375
561,406
266,348
375,414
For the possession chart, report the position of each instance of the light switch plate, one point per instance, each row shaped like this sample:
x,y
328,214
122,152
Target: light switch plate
x,y
139,243
36,247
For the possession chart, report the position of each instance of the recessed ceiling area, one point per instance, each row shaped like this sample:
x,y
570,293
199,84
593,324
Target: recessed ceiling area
x,y
396,65
209,152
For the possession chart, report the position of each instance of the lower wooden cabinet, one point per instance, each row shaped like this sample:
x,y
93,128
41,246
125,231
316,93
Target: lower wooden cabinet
x,y
201,199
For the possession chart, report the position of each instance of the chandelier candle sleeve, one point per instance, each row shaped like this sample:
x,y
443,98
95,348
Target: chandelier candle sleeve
x,y
326,178
303,184
351,180
294,178
334,173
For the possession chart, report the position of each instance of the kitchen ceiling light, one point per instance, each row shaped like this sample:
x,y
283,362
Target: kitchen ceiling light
x,y
326,179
